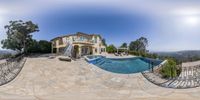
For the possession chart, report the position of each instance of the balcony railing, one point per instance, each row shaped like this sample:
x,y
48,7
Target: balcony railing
x,y
84,41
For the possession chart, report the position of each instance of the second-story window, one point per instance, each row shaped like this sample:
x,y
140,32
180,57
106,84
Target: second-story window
x,y
95,39
54,43
60,41
81,38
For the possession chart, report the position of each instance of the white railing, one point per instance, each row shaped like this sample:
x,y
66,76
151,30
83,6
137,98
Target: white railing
x,y
83,41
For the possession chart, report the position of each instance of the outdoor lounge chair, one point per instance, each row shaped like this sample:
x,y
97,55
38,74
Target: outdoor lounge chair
x,y
51,57
116,54
65,59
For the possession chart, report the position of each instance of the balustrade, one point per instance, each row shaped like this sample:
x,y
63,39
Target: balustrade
x,y
10,69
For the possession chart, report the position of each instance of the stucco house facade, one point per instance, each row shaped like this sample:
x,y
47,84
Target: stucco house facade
x,y
83,44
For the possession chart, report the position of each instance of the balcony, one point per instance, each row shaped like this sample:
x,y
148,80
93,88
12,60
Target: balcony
x,y
76,41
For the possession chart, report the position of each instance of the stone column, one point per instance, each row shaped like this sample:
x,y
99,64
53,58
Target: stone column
x,y
57,50
93,49
79,50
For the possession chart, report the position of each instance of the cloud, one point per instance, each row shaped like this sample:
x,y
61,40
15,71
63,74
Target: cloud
x,y
151,7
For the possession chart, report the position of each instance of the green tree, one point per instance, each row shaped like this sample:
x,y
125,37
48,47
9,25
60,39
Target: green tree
x,y
111,49
41,46
143,43
104,42
33,47
139,45
45,46
169,69
134,45
19,35
124,45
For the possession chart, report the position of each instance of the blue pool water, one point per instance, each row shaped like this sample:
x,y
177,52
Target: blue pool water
x,y
125,65
93,57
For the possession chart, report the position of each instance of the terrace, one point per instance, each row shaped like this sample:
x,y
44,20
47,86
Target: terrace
x,y
45,78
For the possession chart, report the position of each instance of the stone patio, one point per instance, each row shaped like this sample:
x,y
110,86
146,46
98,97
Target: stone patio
x,y
42,78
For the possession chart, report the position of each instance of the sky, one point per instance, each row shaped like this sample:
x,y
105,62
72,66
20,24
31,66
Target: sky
x,y
169,25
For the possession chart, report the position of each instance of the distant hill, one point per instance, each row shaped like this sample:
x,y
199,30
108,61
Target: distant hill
x,y
186,55
6,53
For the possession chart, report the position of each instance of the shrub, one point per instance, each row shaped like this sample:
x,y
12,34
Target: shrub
x,y
169,69
41,46
111,49
4,56
134,53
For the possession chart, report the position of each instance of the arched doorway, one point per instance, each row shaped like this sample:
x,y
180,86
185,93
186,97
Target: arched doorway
x,y
76,51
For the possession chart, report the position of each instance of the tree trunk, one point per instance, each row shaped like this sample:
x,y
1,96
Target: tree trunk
x,y
25,52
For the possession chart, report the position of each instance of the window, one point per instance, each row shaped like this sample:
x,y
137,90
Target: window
x,y
61,50
54,43
60,41
102,49
81,38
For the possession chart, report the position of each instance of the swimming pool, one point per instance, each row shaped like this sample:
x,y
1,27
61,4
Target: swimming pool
x,y
126,65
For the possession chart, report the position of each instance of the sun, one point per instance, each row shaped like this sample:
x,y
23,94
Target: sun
x,y
188,17
191,20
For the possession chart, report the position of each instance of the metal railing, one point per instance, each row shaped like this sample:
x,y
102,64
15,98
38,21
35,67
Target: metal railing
x,y
189,78
10,69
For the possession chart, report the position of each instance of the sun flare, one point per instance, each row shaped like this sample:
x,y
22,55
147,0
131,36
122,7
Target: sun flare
x,y
191,20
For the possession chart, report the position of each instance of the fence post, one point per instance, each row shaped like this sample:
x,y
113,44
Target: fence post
x,y
152,66
149,66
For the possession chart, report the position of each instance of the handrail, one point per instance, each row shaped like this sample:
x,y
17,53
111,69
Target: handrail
x,y
188,78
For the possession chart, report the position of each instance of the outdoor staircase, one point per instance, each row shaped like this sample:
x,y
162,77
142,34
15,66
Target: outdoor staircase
x,y
68,50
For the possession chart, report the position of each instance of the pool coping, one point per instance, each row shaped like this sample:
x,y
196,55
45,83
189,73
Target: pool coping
x,y
121,57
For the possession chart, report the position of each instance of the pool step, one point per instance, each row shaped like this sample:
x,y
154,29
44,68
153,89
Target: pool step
x,y
97,61
102,61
